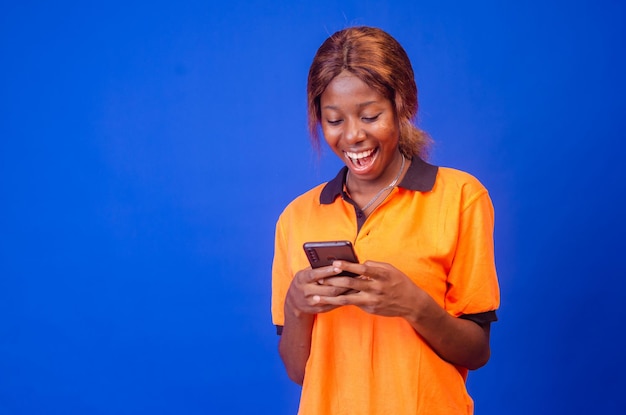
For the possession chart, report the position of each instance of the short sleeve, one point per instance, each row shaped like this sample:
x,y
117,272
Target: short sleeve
x,y
281,276
472,280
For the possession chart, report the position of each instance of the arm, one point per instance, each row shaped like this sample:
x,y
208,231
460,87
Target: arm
x,y
385,290
295,342
300,310
458,341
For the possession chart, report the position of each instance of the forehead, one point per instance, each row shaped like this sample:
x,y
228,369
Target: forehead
x,y
346,90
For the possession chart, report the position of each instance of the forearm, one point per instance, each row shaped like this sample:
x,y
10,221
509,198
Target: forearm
x,y
295,342
458,341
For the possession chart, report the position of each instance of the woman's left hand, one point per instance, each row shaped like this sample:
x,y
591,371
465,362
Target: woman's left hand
x,y
384,290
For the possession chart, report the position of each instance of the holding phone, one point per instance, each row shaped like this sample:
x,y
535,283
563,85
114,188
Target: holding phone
x,y
322,254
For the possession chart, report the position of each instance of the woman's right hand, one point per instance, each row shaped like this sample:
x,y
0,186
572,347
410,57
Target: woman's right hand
x,y
306,288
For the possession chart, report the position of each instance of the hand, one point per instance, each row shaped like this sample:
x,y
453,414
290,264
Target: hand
x,y
380,289
309,286
384,290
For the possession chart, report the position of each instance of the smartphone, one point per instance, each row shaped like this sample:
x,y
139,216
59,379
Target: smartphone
x,y
322,254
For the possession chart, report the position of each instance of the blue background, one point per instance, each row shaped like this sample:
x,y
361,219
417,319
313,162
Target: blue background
x,y
147,148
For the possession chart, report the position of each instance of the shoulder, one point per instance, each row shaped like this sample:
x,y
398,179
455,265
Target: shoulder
x,y
457,178
460,184
305,201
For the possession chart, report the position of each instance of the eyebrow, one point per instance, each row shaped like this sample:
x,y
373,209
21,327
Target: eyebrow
x,y
361,105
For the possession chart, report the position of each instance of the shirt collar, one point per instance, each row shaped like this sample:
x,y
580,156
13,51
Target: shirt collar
x,y
419,177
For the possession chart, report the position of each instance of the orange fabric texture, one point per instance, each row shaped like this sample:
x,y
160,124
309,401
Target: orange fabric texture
x,y
366,364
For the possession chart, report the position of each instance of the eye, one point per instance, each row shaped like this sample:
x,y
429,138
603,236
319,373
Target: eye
x,y
370,119
334,122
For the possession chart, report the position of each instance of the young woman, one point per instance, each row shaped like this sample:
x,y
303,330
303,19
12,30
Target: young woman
x,y
401,336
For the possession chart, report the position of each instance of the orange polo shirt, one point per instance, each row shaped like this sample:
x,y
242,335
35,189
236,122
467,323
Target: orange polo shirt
x,y
437,228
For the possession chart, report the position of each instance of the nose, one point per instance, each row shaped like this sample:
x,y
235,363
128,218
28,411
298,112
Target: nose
x,y
354,131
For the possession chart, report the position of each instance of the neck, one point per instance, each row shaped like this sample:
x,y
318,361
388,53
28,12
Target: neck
x,y
363,197
391,177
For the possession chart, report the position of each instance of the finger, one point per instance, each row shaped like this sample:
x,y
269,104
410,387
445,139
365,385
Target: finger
x,y
327,290
342,282
367,270
340,266
316,304
317,275
335,301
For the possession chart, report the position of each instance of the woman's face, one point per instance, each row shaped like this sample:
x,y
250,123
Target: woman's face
x,y
360,126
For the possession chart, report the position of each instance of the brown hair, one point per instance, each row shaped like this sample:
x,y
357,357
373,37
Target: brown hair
x,y
379,60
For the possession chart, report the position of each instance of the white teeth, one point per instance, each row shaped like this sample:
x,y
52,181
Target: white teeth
x,y
356,156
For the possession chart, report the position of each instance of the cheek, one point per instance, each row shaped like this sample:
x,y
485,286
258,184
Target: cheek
x,y
331,137
387,131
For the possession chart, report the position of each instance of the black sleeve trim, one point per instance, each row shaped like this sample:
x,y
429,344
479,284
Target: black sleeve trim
x,y
481,319
279,330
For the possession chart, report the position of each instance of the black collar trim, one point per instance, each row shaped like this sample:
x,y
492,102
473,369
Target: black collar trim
x,y
419,177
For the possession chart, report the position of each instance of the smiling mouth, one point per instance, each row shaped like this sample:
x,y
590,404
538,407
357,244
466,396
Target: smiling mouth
x,y
361,159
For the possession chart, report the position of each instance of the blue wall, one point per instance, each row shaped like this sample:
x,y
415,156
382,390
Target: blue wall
x,y
147,148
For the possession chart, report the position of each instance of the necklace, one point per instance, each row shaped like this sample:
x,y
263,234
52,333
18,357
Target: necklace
x,y
380,192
